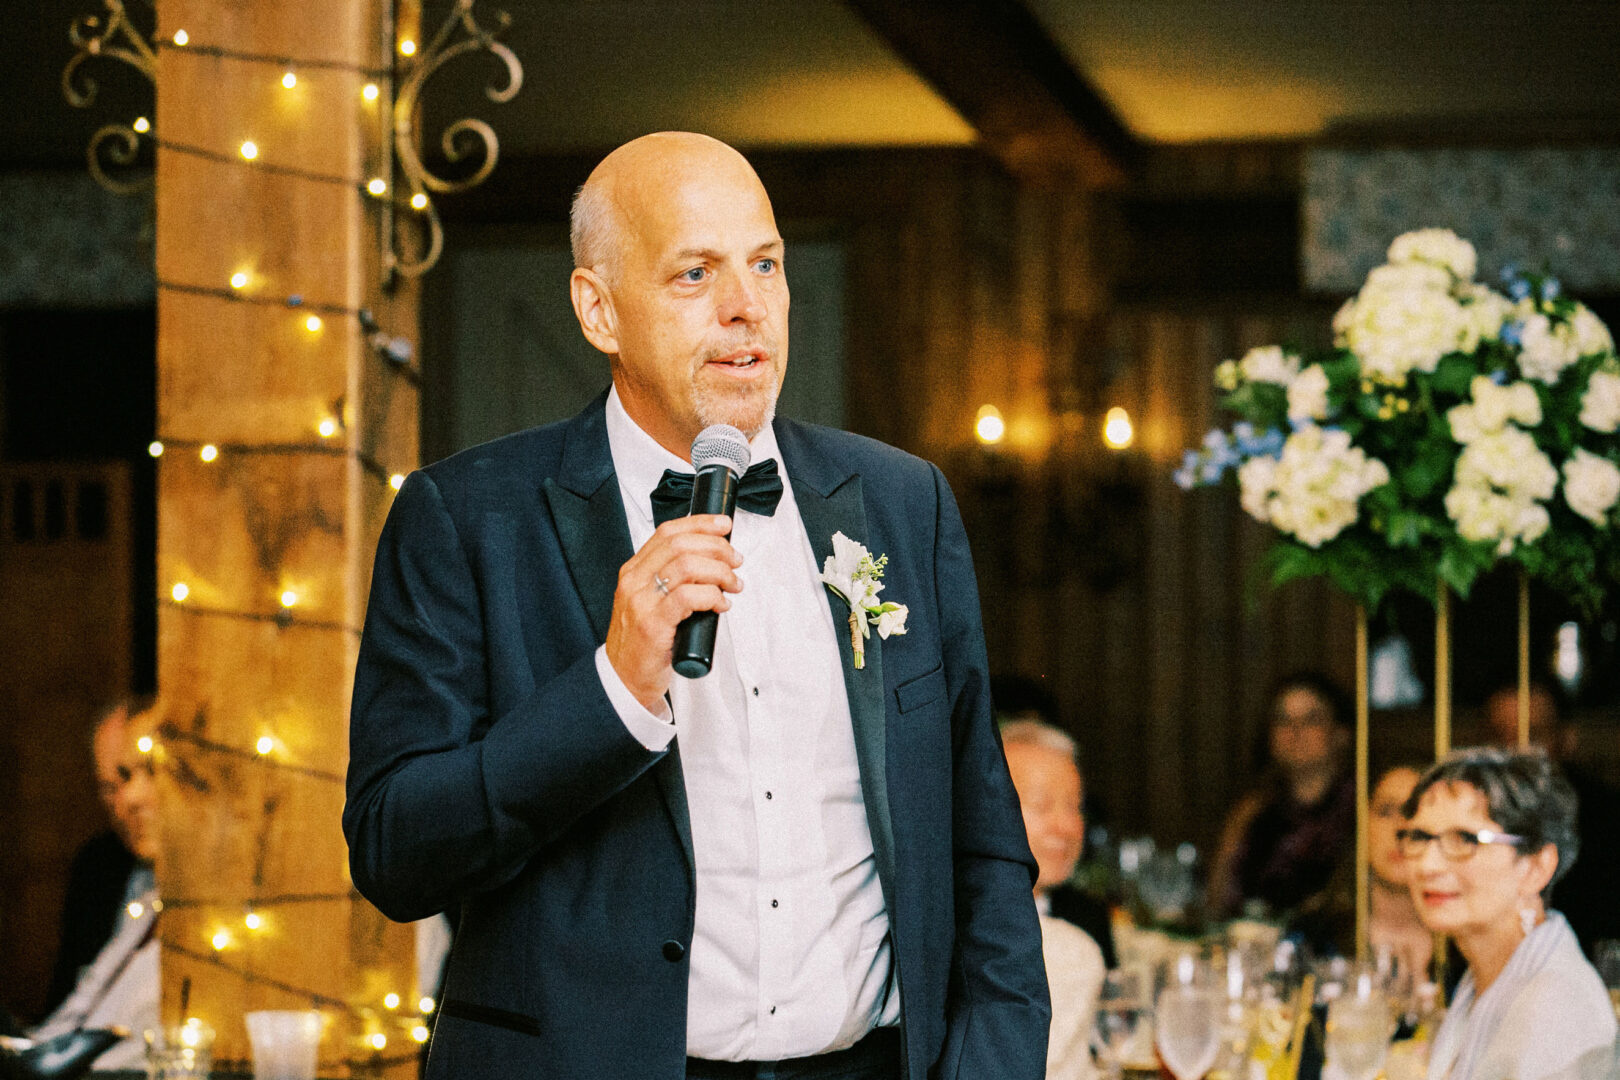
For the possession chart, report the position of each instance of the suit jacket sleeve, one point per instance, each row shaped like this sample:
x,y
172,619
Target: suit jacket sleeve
x,y
445,799
998,1011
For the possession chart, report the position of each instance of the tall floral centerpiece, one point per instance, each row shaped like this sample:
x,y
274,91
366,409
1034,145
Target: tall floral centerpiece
x,y
1450,427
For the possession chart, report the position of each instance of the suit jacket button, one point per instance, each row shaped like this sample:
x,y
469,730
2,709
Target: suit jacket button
x,y
673,951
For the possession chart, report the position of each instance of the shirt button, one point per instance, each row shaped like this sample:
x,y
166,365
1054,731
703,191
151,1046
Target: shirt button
x,y
773,1010
756,694
767,795
773,903
674,951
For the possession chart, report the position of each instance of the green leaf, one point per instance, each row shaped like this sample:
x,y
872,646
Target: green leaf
x,y
1454,375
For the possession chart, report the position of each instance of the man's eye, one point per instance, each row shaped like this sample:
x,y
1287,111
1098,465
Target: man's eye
x,y
694,275
766,266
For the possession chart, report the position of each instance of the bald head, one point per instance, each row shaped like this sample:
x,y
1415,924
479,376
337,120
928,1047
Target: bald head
x,y
635,177
679,280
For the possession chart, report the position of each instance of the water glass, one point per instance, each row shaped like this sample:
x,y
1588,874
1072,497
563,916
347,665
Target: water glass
x,y
284,1044
1606,958
1188,1022
1358,1033
1123,1036
179,1051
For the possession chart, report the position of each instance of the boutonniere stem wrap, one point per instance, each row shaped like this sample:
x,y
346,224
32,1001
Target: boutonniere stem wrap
x,y
855,577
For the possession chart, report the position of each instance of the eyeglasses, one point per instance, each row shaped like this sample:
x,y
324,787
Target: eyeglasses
x,y
1455,844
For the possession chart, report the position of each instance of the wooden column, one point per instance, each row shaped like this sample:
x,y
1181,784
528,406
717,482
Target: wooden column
x,y
272,531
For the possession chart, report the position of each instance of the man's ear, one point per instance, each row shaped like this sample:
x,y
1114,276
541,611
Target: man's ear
x,y
593,307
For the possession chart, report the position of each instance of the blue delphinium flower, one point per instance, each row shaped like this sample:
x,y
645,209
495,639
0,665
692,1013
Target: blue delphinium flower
x,y
1513,333
1518,288
1186,477
1550,289
1500,378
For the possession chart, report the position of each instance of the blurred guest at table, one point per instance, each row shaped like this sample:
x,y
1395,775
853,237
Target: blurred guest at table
x,y
1587,895
1489,831
1017,698
1328,923
1045,770
1284,839
108,960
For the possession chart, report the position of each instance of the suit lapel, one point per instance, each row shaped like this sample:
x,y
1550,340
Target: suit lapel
x,y
595,539
830,500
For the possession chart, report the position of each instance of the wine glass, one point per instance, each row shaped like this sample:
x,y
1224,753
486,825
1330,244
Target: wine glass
x,y
1188,1021
1117,1039
1358,1028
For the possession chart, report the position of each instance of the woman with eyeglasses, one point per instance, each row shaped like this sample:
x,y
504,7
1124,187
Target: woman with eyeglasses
x,y
1488,833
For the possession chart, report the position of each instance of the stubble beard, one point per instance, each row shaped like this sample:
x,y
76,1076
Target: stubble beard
x,y
749,410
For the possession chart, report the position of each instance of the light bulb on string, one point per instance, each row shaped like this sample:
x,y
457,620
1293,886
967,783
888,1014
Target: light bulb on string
x,y
1117,430
180,591
313,324
136,909
378,1041
239,280
181,38
155,448
407,47
397,481
327,428
209,452
988,426
391,1001
378,186
420,1033
289,598
250,149
425,1006
289,80
253,920
144,744
369,91
141,125
221,940
264,745
419,201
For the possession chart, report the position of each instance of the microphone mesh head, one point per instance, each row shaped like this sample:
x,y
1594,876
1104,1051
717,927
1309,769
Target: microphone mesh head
x,y
721,444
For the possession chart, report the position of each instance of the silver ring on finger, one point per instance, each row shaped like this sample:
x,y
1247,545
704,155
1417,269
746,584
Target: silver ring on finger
x,y
660,584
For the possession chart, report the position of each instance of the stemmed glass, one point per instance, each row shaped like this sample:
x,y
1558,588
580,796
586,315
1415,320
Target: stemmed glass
x,y
1188,1021
1359,1028
1123,1018
1607,962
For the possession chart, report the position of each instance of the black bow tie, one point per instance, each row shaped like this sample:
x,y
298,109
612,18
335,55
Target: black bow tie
x,y
759,492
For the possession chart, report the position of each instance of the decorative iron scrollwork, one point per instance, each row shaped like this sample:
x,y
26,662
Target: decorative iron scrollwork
x,y
113,37
461,141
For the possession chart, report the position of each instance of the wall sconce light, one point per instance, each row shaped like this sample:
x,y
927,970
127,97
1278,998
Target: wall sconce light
x,y
988,426
1118,434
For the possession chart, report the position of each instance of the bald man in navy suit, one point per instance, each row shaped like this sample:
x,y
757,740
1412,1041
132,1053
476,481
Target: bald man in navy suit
x,y
809,862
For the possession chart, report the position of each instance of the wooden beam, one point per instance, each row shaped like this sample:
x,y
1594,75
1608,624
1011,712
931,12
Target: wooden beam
x,y
997,66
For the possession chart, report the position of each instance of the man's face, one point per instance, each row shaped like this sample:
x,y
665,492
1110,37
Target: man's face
x,y
1049,793
124,782
698,297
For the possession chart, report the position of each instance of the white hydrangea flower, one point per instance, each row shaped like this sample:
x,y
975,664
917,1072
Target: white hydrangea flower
x,y
1312,490
1492,408
1591,486
1307,395
1227,375
1437,247
1600,405
1590,335
1501,480
1403,320
1485,312
1269,364
1546,349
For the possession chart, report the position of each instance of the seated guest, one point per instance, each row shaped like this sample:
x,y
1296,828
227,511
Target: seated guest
x,y
114,867
1283,840
1586,896
1489,832
1042,761
119,985
1393,927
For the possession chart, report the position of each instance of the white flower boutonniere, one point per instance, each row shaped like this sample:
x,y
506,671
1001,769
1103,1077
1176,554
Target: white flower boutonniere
x,y
856,577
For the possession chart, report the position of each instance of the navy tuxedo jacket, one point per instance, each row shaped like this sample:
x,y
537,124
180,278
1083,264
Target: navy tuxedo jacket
x,y
488,768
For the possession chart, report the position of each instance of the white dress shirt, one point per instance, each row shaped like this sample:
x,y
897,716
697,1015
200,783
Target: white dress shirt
x,y
790,952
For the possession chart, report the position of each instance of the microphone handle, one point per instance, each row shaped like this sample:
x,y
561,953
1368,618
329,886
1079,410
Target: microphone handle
x,y
714,491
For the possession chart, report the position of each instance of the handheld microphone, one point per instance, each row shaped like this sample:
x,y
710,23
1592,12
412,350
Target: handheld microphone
x,y
720,456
